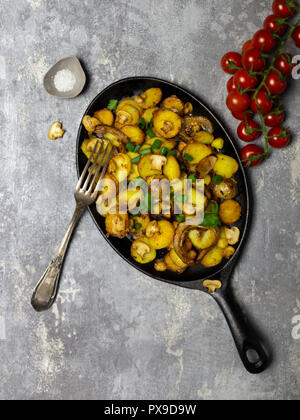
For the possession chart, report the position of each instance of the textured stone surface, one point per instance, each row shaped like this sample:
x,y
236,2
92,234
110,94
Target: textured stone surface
x,y
114,333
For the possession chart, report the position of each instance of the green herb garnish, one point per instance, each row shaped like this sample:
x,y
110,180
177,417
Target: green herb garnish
x,y
142,123
156,144
211,216
172,153
188,157
180,218
192,178
137,148
150,133
130,147
136,160
164,151
146,151
113,103
217,179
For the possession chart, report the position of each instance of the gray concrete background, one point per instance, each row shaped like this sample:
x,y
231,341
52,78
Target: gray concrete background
x,y
113,332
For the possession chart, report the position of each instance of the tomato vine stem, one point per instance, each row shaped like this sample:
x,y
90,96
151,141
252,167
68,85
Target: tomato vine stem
x,y
266,73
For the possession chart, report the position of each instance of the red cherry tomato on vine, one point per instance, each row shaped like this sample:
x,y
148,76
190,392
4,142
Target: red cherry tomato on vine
x,y
296,36
284,64
276,84
275,118
238,102
231,86
283,8
262,103
279,137
231,61
252,60
252,155
272,25
249,131
264,41
243,116
243,80
247,46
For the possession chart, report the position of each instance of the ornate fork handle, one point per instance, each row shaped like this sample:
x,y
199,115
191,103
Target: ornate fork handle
x,y
46,290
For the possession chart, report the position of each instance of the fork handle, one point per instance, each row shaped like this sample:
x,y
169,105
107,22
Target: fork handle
x,y
45,293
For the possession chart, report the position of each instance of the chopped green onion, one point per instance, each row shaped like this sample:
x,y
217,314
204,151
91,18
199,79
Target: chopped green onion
x,y
136,160
192,178
150,125
146,152
150,133
172,153
188,157
180,218
164,151
137,148
217,180
156,145
183,168
142,123
112,106
130,147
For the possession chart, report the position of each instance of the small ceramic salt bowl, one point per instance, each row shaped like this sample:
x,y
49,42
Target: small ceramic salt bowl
x,y
71,64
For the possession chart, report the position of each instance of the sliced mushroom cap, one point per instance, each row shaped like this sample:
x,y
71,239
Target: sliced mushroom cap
x,y
181,242
191,125
152,229
141,248
206,166
212,285
106,129
226,190
232,235
158,162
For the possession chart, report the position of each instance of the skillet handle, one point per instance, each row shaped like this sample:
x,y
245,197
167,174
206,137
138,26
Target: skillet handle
x,y
251,351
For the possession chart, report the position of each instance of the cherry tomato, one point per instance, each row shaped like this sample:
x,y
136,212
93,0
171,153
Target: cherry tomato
x,y
262,102
231,86
243,80
284,64
247,46
243,116
283,8
238,102
251,151
264,41
296,36
276,84
272,25
231,59
279,137
275,118
249,131
252,60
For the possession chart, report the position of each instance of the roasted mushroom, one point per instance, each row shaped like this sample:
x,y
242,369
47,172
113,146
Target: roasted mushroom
x,y
192,125
205,166
226,190
142,251
56,131
115,136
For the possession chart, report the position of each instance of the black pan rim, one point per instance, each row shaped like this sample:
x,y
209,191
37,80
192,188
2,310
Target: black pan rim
x,y
229,264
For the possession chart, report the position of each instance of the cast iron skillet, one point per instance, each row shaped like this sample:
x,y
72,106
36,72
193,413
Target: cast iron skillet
x,y
250,349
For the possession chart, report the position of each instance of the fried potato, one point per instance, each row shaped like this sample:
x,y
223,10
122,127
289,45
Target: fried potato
x,y
230,212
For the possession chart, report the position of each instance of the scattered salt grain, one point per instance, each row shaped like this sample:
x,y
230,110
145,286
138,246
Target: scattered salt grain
x,y
64,81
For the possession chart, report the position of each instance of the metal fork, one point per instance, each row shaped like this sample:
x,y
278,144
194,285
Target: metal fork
x,y
85,194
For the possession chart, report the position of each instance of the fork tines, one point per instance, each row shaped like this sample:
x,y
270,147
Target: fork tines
x,y
92,183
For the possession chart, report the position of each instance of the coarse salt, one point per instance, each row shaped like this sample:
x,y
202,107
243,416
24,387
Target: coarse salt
x,y
64,81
